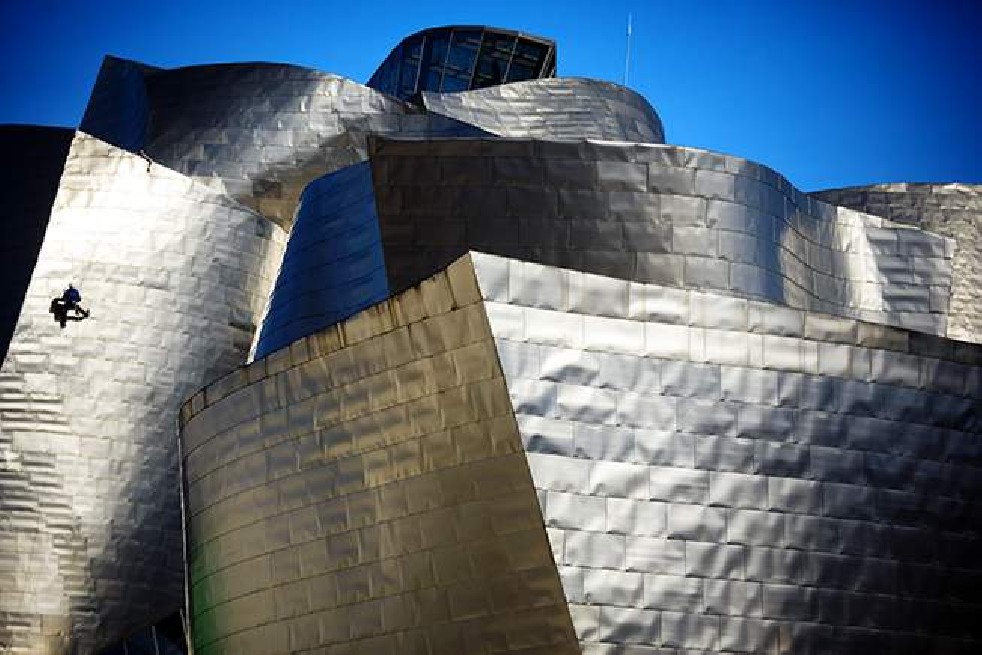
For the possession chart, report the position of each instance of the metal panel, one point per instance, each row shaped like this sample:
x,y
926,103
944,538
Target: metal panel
x,y
558,108
614,209
257,132
333,265
176,278
951,210
366,490
774,519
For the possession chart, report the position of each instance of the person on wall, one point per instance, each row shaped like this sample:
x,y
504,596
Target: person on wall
x,y
68,302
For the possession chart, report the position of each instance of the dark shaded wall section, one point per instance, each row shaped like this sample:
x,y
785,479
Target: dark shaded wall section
x,y
33,160
119,111
333,266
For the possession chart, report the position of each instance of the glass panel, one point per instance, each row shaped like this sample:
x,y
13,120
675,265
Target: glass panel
x,y
518,72
461,59
454,83
527,61
436,50
490,71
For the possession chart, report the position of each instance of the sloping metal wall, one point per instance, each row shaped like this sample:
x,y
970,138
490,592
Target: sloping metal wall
x,y
364,490
727,475
176,278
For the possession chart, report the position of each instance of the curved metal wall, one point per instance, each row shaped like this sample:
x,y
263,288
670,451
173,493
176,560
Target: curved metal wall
x,y
30,169
176,278
257,132
558,108
953,210
365,491
713,474
333,265
726,475
652,213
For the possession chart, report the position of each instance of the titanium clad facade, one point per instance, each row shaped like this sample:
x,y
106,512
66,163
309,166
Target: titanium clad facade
x,y
177,278
557,108
257,132
333,265
30,173
952,210
459,58
652,213
726,475
714,474
365,491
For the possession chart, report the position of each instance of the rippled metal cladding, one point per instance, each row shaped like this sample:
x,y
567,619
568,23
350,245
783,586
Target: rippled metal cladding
x,y
680,407
711,473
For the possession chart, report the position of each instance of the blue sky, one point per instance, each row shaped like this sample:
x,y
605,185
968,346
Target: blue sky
x,y
828,92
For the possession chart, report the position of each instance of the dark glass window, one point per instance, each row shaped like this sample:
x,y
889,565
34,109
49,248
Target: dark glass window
x,y
457,59
453,83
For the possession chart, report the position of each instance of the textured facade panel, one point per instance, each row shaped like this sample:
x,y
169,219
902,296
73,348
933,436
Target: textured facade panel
x,y
36,156
176,278
256,132
653,213
118,111
759,498
365,490
459,58
333,266
952,210
564,108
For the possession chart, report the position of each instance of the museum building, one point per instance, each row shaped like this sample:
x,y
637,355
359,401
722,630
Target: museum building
x,y
469,360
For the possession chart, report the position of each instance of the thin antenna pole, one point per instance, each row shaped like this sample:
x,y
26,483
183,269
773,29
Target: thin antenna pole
x,y
627,54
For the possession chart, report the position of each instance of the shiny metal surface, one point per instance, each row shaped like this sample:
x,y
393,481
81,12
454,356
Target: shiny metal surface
x,y
952,210
557,108
365,491
713,474
333,265
176,278
462,57
725,475
652,213
258,132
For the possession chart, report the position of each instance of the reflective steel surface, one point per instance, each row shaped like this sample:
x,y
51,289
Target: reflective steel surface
x,y
365,491
176,278
952,210
333,265
652,213
726,475
258,132
558,108
713,473
680,407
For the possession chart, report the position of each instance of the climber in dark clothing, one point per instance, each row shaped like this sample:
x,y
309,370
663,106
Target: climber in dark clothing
x,y
69,302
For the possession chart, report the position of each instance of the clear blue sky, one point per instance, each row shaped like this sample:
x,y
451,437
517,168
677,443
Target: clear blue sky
x,y
828,92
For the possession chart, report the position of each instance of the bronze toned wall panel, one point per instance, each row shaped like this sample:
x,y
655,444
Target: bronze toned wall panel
x,y
364,490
